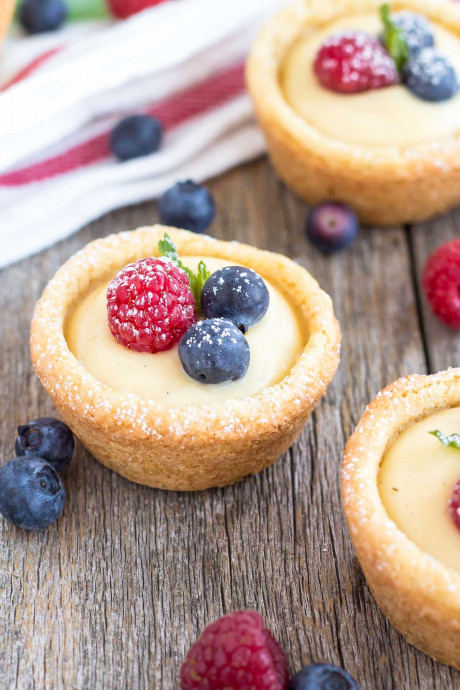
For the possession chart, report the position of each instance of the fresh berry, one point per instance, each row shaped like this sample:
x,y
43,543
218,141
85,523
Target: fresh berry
x,y
187,205
150,305
430,76
235,293
136,136
416,29
48,438
353,62
39,16
454,505
332,226
322,677
214,351
125,8
441,282
32,495
235,652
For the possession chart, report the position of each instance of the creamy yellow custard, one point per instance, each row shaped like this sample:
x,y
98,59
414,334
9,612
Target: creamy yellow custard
x,y
386,117
416,479
275,344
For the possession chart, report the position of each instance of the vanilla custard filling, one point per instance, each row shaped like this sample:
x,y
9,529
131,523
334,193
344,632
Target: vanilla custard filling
x,y
416,479
275,344
386,117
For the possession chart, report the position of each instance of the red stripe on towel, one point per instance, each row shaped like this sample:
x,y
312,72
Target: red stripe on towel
x,y
173,111
30,68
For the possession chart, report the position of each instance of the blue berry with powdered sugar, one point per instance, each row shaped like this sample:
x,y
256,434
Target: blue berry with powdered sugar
x,y
214,351
235,293
429,75
416,29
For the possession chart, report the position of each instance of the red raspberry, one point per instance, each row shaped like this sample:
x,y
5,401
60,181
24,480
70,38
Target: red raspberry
x,y
454,505
441,282
150,305
125,8
235,652
353,62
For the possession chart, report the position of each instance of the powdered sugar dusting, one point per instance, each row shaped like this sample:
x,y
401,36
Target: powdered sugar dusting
x,y
430,66
74,389
150,305
392,410
350,62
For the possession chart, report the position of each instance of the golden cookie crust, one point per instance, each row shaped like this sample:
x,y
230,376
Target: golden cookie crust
x,y
385,186
190,447
6,14
420,595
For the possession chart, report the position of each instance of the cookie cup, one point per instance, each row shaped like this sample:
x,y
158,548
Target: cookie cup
x,y
385,186
6,15
420,595
182,447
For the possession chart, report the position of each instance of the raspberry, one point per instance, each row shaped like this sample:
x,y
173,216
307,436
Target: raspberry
x,y
150,305
125,8
353,62
454,505
441,282
235,652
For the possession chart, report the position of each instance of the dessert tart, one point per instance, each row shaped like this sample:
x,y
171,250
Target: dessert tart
x,y
391,150
6,14
401,495
153,415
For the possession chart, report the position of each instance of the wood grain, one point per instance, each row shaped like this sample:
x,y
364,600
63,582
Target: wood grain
x,y
113,595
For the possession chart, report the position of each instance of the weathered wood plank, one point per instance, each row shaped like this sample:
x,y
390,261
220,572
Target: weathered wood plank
x,y
113,595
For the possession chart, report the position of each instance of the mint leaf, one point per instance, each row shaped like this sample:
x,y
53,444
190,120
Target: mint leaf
x,y
203,275
393,38
167,248
452,441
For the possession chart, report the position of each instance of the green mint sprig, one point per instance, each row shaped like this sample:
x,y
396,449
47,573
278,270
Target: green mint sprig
x,y
167,248
394,39
452,441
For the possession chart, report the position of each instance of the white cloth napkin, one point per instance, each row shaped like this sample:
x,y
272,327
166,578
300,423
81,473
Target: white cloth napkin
x,y
61,94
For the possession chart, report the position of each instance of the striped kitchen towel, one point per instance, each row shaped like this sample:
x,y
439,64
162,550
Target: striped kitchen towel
x,y
62,93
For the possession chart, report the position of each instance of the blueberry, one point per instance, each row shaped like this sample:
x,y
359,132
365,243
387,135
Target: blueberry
x,y
187,205
416,29
430,76
332,226
38,16
235,293
32,494
214,351
136,136
48,438
322,677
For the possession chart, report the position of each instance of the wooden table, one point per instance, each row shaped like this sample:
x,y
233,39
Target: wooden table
x,y
113,595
